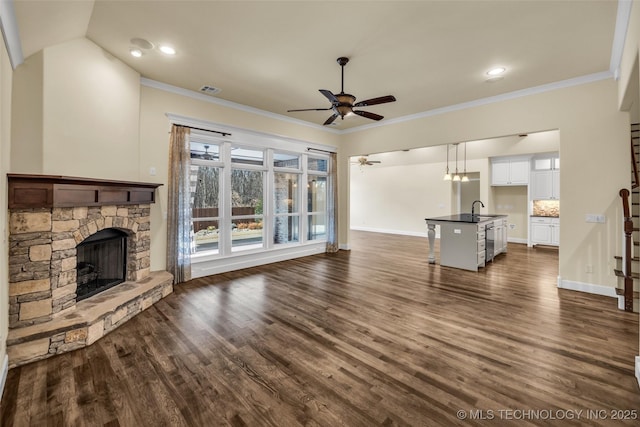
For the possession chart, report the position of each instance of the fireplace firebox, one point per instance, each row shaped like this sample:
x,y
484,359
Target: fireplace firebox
x,y
102,262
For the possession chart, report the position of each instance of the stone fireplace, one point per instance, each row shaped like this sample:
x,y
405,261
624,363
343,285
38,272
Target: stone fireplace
x,y
79,262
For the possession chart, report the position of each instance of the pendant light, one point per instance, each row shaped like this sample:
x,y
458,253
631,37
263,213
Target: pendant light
x,y
456,177
465,178
447,175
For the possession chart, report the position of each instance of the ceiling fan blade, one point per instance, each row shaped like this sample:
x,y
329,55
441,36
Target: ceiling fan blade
x,y
369,115
330,96
310,109
375,101
330,120
373,161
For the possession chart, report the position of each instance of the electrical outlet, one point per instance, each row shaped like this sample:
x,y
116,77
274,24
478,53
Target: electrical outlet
x,y
512,226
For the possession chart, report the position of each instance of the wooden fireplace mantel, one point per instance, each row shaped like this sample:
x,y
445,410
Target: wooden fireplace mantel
x,y
49,191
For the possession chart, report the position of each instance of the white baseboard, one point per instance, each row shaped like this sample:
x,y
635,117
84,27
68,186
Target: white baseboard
x,y
212,265
638,369
590,288
517,240
5,371
344,247
390,231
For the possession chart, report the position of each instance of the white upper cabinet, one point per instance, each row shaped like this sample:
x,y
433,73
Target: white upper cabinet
x,y
510,171
545,178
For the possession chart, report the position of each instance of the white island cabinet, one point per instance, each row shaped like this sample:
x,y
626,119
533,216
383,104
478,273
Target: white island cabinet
x,y
467,242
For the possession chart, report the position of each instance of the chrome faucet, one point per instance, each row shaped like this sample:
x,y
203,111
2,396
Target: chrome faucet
x,y
473,207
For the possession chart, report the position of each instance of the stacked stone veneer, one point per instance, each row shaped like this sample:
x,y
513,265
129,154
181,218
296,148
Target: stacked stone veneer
x,y
44,318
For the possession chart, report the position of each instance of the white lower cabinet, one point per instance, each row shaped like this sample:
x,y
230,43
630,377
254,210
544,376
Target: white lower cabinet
x,y
555,232
500,234
545,231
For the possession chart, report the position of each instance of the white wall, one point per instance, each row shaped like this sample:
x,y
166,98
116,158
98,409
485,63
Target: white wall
x,y
407,186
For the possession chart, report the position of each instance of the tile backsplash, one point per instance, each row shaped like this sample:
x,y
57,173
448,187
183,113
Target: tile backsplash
x,y
546,208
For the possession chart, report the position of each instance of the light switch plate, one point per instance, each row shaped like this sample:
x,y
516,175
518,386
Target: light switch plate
x,y
595,218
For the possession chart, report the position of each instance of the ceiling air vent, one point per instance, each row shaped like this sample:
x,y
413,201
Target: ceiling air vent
x,y
210,90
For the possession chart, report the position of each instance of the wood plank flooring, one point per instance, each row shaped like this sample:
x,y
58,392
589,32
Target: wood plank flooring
x,y
371,336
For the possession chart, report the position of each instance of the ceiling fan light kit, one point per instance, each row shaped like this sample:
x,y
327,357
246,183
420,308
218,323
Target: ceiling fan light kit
x,y
342,104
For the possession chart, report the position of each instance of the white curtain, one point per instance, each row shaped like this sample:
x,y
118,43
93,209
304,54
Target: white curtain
x,y
179,209
332,205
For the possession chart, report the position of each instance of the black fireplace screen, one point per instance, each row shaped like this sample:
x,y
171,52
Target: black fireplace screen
x,y
102,262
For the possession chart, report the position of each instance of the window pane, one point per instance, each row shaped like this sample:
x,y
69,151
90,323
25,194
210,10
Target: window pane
x,y
286,229
205,186
542,163
246,192
205,236
247,156
556,162
315,164
204,151
246,234
317,227
283,160
286,192
317,192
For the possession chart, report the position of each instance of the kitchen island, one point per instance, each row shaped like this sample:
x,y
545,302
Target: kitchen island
x,y
467,241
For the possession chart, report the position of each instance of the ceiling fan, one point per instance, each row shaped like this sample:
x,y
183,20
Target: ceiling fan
x,y
342,103
363,161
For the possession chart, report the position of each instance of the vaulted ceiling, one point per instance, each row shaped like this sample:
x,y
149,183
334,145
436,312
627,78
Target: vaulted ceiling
x,y
276,55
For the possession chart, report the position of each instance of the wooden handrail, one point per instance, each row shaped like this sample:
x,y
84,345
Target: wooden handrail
x,y
628,230
634,161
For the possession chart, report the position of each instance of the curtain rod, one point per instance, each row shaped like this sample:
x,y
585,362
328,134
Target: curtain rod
x,y
205,130
317,149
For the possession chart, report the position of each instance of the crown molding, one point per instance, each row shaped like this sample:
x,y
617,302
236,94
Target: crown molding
x,y
490,100
620,34
9,26
229,104
604,75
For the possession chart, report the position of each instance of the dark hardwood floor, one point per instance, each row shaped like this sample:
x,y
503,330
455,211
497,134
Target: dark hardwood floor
x,y
371,336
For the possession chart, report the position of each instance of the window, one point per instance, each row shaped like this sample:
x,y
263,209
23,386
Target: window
x,y
205,197
316,198
286,227
247,190
250,197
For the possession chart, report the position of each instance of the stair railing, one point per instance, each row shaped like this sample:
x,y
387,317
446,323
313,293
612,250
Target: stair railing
x,y
635,182
627,251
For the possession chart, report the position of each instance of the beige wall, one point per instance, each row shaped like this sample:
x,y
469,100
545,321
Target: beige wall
x,y
27,114
154,144
512,201
76,114
593,147
5,153
629,82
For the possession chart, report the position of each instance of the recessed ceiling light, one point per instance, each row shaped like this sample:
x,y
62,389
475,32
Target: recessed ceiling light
x,y
167,50
141,43
135,52
496,71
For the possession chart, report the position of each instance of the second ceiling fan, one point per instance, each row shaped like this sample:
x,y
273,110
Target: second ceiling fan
x,y
342,103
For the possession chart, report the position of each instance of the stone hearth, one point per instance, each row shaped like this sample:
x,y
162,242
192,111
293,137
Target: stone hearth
x,y
49,217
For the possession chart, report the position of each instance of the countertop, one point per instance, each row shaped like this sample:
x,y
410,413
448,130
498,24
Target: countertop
x,y
544,216
466,217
